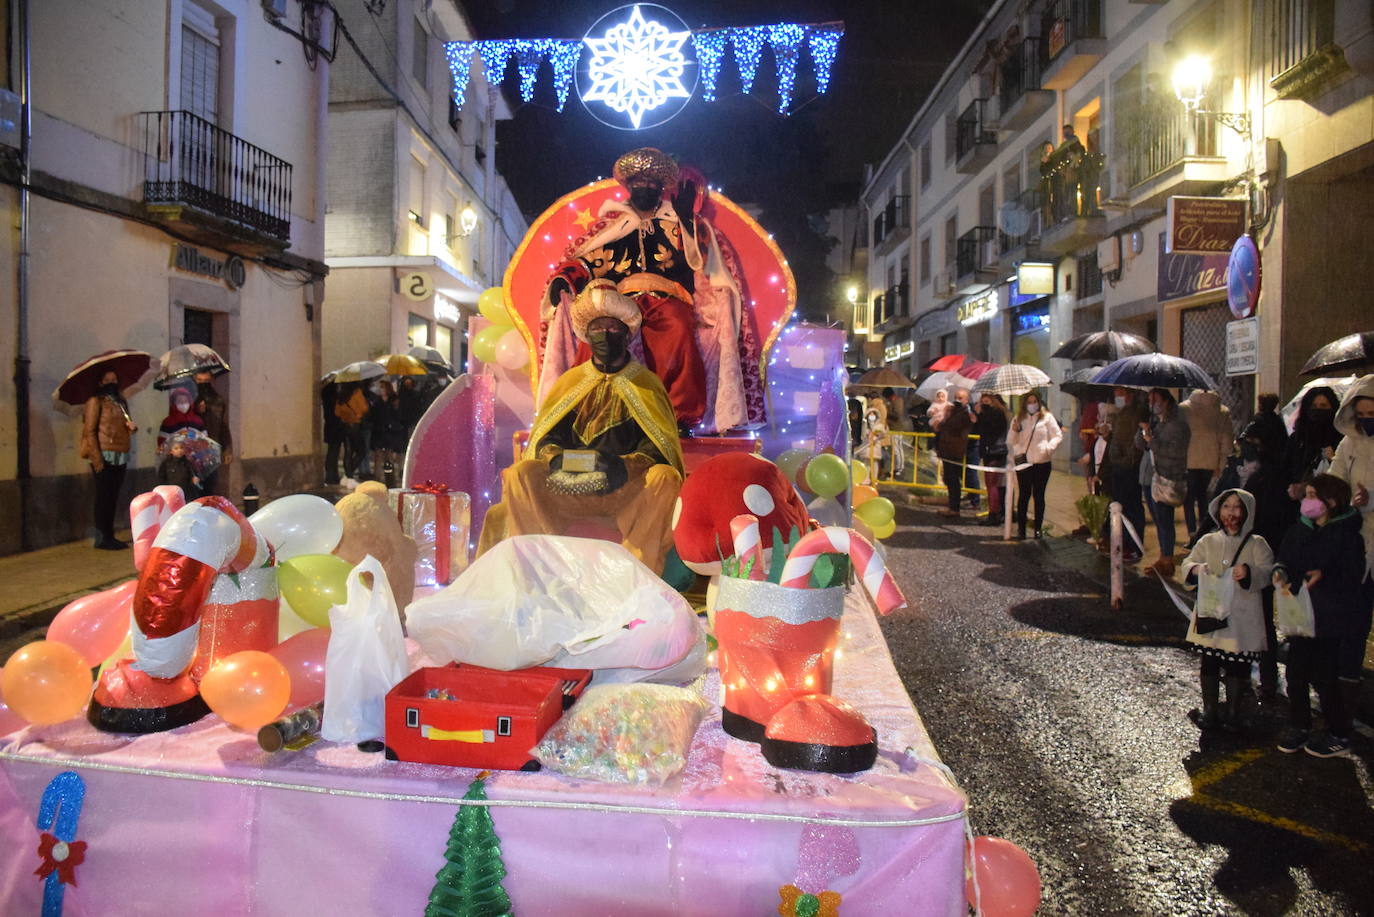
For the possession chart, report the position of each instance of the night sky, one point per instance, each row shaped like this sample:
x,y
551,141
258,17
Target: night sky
x,y
891,55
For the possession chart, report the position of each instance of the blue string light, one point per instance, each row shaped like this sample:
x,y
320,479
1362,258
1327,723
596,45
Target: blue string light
x,y
786,39
459,54
710,48
748,43
495,55
528,56
564,55
824,45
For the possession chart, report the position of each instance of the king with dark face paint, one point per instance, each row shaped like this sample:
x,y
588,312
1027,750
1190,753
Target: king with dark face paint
x,y
609,340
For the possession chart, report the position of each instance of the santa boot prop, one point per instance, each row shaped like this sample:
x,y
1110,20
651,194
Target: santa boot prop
x,y
820,733
241,613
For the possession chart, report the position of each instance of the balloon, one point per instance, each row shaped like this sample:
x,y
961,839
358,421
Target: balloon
x,y
877,512
790,462
248,689
885,530
828,511
288,622
125,651
826,475
46,682
94,625
858,471
484,342
312,584
863,493
492,304
299,524
9,720
863,528
511,351
1008,882
303,659
800,479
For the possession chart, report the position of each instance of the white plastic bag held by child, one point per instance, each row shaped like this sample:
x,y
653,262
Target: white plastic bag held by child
x,y
366,657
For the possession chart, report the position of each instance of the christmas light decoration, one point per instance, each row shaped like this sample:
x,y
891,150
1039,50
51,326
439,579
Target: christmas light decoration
x,y
563,55
748,43
786,40
459,54
637,66
710,48
824,44
495,55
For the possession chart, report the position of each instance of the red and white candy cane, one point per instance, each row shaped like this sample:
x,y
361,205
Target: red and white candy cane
x,y
148,513
199,542
744,529
834,539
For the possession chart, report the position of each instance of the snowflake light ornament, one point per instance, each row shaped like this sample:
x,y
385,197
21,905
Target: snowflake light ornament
x,y
636,66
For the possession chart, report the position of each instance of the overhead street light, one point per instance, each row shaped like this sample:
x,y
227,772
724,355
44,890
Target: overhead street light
x,y
1192,77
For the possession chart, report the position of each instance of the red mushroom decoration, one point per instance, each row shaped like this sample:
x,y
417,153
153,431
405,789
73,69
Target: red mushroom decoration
x,y
722,488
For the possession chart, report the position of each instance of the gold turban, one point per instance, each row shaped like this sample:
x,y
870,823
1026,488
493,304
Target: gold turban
x,y
598,298
647,162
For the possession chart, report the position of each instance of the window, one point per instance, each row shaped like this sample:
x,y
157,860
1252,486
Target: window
x,y
413,717
443,340
420,55
951,135
951,238
1296,31
925,259
1011,183
198,327
200,44
455,116
925,164
417,330
417,191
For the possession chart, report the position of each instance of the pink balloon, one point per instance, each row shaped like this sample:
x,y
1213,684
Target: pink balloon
x,y
511,351
9,720
1008,881
303,658
95,625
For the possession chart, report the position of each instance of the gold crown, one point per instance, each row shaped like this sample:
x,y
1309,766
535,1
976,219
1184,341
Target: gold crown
x,y
646,162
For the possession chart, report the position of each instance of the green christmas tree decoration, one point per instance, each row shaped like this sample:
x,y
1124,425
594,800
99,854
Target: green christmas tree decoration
x,y
469,885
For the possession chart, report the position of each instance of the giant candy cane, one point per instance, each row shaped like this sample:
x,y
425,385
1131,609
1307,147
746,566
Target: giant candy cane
x,y
834,539
148,513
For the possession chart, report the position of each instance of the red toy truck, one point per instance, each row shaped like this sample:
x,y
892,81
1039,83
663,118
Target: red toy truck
x,y
468,716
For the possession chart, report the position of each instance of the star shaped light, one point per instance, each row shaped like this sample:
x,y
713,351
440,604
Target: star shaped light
x,y
636,67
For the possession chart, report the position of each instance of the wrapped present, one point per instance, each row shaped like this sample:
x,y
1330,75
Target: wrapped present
x,y
439,520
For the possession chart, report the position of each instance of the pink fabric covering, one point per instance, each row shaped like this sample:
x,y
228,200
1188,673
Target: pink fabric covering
x,y
200,821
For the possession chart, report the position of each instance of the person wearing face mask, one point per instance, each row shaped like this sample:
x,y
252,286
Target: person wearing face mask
x,y
951,445
1353,463
1313,442
993,420
214,411
1034,436
1123,460
1324,551
180,416
658,248
613,411
105,443
1166,437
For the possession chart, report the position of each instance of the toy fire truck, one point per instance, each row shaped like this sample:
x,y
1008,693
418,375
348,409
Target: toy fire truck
x,y
468,716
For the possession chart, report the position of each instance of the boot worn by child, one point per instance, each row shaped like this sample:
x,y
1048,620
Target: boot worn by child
x,y
1207,718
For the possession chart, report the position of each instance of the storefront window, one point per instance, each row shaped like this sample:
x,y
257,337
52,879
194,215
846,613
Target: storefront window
x,y
417,330
443,341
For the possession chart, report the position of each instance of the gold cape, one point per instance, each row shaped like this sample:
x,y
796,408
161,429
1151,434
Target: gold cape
x,y
636,386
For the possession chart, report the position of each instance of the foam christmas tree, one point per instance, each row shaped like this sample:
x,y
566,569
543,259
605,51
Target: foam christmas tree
x,y
469,885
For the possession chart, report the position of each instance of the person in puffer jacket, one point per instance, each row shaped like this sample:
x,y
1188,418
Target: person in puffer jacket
x,y
1034,436
1354,464
1166,436
1211,440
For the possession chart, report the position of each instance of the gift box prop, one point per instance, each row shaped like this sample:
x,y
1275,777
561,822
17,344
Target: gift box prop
x,y
469,716
207,588
776,649
439,520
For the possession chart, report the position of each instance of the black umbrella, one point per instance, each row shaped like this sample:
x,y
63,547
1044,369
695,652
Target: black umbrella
x,y
1104,345
1155,370
1354,351
1080,385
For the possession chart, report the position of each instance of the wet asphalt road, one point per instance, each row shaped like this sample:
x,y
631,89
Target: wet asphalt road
x,y
1066,725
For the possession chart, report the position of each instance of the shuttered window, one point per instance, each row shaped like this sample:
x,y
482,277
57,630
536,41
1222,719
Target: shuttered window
x,y
199,63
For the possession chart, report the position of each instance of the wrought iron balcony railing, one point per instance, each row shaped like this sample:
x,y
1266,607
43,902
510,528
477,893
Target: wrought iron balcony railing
x,y
971,129
190,161
973,253
1066,21
1021,72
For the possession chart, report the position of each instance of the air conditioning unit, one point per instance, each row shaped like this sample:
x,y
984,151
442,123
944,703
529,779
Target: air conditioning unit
x,y
274,8
943,283
1109,254
990,253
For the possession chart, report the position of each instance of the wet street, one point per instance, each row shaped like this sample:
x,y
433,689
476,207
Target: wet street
x,y
1066,725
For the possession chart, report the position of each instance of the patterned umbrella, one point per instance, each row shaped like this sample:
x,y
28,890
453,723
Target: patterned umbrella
x,y
1354,351
84,379
1105,346
1155,370
360,371
1011,379
185,361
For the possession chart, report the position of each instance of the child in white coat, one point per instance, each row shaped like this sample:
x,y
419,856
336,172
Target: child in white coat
x,y
1229,635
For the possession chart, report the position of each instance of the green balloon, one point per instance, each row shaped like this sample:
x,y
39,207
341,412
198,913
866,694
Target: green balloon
x,y
877,512
790,462
484,343
492,305
827,475
860,471
312,584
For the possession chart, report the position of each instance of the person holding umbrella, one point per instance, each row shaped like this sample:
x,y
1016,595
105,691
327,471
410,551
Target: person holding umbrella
x,y
106,436
214,411
1166,437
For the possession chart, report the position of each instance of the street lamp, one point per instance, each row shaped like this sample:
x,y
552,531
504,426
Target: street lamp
x,y
852,294
467,222
1191,78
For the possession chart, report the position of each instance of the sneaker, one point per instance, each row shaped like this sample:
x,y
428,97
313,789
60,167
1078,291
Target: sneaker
x,y
1292,740
1327,746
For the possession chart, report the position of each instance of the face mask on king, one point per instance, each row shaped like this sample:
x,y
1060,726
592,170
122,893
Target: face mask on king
x,y
646,198
608,346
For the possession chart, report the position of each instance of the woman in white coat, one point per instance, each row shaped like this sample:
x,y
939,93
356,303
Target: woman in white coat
x,y
1033,437
1229,635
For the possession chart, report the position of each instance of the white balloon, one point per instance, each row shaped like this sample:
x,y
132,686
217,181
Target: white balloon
x,y
828,511
299,524
288,622
511,351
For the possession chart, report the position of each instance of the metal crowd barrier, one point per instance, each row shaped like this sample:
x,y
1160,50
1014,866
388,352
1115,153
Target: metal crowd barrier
x,y
912,462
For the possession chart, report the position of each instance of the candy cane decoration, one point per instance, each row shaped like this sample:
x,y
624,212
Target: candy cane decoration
x,y
148,513
834,539
744,529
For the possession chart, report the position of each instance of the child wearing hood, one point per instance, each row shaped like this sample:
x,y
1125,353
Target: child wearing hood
x,y
1353,463
1230,641
1324,551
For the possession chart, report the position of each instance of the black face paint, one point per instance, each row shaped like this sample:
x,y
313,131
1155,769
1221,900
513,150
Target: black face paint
x,y
646,198
609,347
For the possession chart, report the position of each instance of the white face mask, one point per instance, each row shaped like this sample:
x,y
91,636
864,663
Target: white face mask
x,y
1120,401
1032,409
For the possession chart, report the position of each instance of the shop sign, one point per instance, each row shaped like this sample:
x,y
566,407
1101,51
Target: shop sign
x,y
893,352
231,270
1028,320
889,353
446,310
1242,347
1243,278
938,321
1181,276
978,308
1203,225
416,286
1035,278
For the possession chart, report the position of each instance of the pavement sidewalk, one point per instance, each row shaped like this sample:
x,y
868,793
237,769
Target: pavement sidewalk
x,y
38,583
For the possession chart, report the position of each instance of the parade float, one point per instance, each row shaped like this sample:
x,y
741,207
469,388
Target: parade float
x,y
412,703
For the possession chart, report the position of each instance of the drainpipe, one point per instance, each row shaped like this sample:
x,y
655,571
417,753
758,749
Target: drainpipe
x,y
23,473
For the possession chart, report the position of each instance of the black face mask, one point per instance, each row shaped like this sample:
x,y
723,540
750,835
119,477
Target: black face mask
x,y
609,347
646,198
110,388
1318,416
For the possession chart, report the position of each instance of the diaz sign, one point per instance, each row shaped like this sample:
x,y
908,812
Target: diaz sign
x,y
1203,225
1186,275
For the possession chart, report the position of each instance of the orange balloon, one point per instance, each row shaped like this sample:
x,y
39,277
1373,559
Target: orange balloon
x,y
863,493
46,682
248,689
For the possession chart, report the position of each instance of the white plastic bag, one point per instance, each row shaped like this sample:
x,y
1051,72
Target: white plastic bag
x,y
1293,615
1214,595
366,657
547,599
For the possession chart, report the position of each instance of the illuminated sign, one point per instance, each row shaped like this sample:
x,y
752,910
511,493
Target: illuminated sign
x,y
1032,319
978,308
445,310
1203,225
1035,278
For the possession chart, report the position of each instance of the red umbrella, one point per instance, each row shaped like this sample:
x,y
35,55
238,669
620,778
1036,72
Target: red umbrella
x,y
84,380
977,369
949,363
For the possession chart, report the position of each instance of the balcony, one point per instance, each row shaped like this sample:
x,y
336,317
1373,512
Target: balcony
x,y
1021,98
1073,41
975,144
975,259
1071,195
895,305
214,187
1169,151
879,311
1300,48
1021,221
892,225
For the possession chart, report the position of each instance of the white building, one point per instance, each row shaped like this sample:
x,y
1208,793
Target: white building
x,y
177,196
419,220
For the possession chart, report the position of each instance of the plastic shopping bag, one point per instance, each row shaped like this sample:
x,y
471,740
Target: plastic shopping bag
x,y
1214,595
1293,615
366,657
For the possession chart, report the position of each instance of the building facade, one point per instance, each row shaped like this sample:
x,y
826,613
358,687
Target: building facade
x,y
176,194
419,220
1029,199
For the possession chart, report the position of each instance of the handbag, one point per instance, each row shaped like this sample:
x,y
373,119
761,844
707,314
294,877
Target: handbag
x,y
1169,491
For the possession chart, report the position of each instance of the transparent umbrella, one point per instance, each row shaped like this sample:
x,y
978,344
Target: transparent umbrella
x,y
185,361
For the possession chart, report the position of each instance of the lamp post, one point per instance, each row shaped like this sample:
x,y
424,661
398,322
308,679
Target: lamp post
x,y
1192,77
